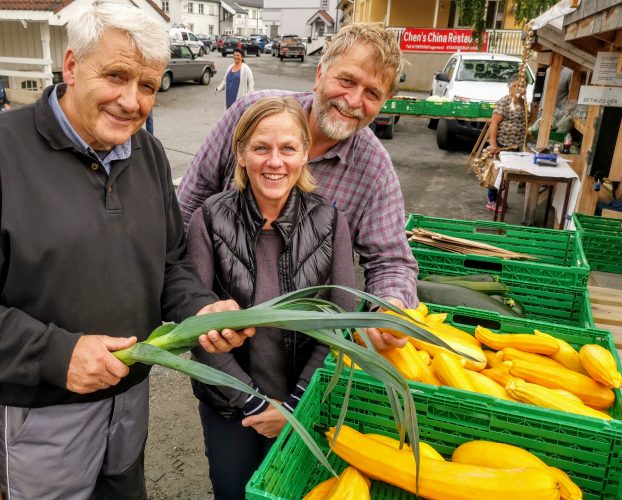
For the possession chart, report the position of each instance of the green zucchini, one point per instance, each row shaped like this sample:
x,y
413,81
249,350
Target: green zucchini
x,y
452,295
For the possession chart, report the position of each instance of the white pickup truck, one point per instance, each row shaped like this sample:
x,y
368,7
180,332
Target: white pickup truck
x,y
473,77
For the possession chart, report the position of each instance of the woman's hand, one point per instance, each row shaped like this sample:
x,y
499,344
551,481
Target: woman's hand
x,y
228,339
268,423
384,341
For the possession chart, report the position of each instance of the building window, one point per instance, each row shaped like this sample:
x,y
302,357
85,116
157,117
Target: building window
x,y
212,9
239,16
190,8
29,85
165,6
201,8
325,4
210,29
253,14
238,31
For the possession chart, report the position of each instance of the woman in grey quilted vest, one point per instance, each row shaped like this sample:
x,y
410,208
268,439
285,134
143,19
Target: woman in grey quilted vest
x,y
270,236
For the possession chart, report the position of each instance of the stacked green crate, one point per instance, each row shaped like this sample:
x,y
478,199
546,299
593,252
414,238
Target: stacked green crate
x,y
465,109
403,106
552,287
438,108
602,241
588,449
486,109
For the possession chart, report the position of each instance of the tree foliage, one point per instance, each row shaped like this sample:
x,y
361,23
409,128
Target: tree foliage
x,y
473,13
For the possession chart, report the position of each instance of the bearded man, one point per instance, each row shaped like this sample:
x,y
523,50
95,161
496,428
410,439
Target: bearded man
x,y
359,70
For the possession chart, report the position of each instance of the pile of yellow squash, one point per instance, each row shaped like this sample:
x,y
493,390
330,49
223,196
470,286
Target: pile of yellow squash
x,y
482,470
534,368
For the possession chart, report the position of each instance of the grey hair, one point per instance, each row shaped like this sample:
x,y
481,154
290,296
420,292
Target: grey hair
x,y
387,50
144,33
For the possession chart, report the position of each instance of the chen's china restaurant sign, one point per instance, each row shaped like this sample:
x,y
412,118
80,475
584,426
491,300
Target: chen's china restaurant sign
x,y
439,40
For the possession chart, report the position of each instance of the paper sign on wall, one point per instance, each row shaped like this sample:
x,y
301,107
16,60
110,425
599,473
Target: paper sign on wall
x,y
600,96
608,69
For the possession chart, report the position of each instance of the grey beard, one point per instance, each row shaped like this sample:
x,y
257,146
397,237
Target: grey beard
x,y
334,129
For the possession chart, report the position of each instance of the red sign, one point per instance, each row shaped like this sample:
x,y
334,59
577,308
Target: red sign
x,y
439,40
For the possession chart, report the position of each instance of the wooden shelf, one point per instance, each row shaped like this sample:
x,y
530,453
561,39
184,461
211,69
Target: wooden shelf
x,y
580,125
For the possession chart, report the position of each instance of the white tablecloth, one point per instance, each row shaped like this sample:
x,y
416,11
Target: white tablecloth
x,y
523,163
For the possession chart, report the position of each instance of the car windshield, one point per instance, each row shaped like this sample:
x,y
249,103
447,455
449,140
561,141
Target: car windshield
x,y
473,70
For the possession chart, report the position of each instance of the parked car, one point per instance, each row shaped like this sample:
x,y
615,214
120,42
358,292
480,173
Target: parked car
x,y
220,40
291,46
184,66
473,77
182,35
261,40
268,48
206,40
247,46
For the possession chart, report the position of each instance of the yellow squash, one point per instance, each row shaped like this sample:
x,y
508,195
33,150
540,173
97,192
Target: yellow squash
x,y
523,341
500,374
484,385
507,456
351,485
404,360
320,491
493,358
424,448
567,355
441,480
509,354
601,365
425,357
592,393
449,370
548,398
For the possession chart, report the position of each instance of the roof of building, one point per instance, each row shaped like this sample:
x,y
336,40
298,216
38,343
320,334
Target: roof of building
x,y
239,7
55,6
326,17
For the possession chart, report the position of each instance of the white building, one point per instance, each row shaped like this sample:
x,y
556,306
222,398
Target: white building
x,y
306,18
199,16
244,17
216,17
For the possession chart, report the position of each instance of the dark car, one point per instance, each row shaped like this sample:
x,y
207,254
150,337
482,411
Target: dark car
x,y
246,45
206,40
185,66
220,41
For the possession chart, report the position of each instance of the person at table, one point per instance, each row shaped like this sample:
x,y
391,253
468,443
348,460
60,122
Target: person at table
x,y
508,128
268,236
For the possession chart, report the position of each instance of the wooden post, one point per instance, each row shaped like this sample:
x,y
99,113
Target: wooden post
x,y
615,171
575,85
588,198
544,130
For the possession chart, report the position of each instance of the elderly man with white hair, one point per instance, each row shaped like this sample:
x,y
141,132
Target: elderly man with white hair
x,y
92,259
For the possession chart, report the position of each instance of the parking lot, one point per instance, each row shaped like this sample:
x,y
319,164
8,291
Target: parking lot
x,y
434,183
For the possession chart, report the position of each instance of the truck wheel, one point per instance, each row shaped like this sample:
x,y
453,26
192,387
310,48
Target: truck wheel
x,y
388,132
258,53
445,140
201,52
302,58
281,58
224,54
165,83
433,123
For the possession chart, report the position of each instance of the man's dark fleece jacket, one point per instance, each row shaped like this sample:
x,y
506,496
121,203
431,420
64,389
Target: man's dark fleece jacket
x,y
82,252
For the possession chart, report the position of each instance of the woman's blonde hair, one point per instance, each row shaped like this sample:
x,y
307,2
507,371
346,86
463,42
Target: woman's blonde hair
x,y
384,43
269,106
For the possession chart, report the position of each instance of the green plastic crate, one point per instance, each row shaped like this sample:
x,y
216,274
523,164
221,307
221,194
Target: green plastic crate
x,y
486,109
589,450
403,106
466,109
438,108
601,238
561,259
